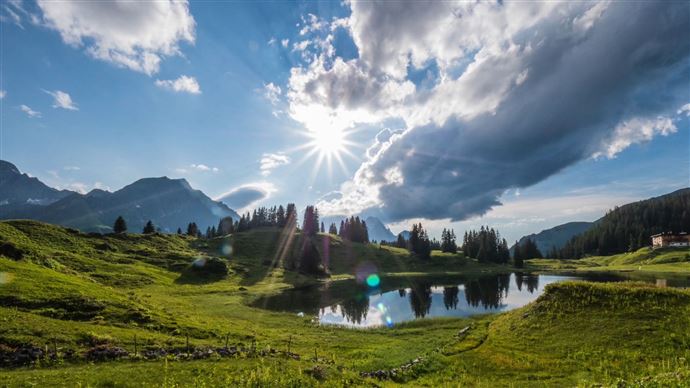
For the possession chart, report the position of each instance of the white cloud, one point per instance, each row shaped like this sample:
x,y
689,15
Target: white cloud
x,y
271,161
62,100
684,109
272,92
3,93
196,168
83,188
29,112
71,168
635,131
14,12
244,197
133,35
182,84
285,43
520,92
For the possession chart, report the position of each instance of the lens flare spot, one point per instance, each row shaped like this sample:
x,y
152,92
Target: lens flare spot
x,y
226,249
389,321
382,308
373,280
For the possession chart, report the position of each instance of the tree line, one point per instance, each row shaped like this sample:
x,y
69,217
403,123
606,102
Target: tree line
x,y
486,245
629,227
524,251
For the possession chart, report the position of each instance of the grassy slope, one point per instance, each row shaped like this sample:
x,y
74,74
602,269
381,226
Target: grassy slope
x,y
135,285
667,260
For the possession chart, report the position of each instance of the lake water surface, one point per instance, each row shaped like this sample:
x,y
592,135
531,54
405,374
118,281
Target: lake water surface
x,y
386,301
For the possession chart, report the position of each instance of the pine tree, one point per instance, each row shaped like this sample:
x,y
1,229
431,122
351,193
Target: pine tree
x,y
120,225
310,225
401,243
225,226
310,259
280,216
192,229
149,228
323,229
333,229
179,230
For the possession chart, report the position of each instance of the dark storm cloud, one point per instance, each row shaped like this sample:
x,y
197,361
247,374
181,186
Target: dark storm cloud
x,y
631,63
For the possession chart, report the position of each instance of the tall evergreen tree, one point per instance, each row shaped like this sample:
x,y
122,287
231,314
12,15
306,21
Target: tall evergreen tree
x,y
310,225
401,243
149,228
225,226
120,225
192,229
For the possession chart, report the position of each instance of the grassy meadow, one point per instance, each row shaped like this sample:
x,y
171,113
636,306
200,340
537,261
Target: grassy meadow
x,y
645,260
75,293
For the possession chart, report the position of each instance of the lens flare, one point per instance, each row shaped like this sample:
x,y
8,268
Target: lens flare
x,y
226,249
373,280
364,270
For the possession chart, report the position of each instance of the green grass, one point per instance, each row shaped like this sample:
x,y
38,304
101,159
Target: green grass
x,y
665,260
577,333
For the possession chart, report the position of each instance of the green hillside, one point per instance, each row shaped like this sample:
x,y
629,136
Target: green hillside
x,y
665,260
95,297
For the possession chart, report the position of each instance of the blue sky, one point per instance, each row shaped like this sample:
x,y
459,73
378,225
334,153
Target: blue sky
x,y
256,102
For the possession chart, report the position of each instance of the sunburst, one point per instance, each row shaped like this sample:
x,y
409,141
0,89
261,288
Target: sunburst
x,y
328,144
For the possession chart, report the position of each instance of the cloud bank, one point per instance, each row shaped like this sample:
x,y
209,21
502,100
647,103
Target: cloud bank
x,y
130,34
512,94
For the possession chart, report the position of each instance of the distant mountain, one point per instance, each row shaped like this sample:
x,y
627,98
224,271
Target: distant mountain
x,y
378,231
557,236
169,203
630,226
18,190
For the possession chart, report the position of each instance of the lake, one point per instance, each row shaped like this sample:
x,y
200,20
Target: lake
x,y
385,301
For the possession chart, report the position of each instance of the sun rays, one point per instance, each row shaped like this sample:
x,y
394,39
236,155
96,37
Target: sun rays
x,y
326,147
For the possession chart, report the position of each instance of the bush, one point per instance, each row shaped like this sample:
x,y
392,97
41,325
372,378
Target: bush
x,y
210,266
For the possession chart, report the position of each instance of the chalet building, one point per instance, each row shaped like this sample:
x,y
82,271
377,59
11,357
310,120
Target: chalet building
x,y
668,239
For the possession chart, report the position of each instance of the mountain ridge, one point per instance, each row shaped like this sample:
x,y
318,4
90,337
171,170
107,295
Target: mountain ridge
x,y
169,203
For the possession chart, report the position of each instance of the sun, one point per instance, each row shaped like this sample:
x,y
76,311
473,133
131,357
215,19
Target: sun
x,y
328,142
327,145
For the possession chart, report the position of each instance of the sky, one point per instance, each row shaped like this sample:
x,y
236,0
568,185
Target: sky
x,y
518,115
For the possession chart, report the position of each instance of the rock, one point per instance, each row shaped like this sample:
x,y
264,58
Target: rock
x,y
105,352
463,331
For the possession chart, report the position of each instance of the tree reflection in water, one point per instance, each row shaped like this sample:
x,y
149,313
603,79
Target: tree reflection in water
x,y
487,292
420,299
450,297
355,309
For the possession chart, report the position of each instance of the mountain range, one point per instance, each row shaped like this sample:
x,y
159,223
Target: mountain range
x,y
169,203
557,236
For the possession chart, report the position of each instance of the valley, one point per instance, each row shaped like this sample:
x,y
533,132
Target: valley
x,y
142,303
